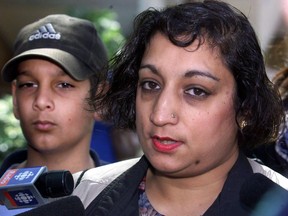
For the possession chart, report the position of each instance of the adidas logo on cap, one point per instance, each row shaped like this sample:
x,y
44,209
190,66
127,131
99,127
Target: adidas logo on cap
x,y
45,32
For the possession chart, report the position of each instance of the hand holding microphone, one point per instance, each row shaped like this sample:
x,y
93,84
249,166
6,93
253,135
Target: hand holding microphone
x,y
31,187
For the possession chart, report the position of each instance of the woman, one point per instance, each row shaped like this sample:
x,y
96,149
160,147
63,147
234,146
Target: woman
x,y
191,80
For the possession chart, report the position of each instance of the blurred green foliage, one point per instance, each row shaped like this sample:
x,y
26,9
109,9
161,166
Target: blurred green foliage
x,y
107,25
109,29
11,137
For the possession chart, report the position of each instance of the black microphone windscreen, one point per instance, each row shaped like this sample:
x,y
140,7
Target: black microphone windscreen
x,y
258,188
67,206
55,184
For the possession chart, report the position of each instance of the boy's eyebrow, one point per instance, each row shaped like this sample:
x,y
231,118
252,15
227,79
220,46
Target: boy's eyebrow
x,y
189,73
60,72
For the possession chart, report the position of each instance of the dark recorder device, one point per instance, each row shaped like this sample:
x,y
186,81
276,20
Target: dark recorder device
x,y
35,186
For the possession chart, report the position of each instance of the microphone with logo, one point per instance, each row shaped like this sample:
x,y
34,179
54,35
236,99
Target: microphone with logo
x,y
35,186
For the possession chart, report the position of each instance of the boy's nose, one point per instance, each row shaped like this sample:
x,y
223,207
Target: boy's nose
x,y
43,100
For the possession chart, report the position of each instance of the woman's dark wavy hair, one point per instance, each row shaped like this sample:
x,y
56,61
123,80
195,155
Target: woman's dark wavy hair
x,y
98,82
225,28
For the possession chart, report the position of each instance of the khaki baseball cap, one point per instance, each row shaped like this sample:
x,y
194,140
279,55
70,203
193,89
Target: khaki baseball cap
x,y
70,42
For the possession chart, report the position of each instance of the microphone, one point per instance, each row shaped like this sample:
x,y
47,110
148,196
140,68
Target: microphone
x,y
34,186
263,196
67,206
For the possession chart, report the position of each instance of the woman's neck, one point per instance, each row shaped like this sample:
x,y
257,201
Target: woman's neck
x,y
186,195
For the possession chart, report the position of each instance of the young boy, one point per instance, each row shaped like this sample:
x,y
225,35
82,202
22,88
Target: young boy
x,y
59,63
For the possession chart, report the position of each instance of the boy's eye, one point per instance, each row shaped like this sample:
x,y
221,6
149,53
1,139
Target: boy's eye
x,y
65,85
27,85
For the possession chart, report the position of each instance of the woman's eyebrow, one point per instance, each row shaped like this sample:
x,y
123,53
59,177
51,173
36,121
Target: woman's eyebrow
x,y
152,68
191,73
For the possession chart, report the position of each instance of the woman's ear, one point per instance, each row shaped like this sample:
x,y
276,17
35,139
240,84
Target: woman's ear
x,y
14,100
97,116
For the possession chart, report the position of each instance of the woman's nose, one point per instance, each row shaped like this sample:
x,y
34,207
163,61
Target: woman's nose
x,y
164,111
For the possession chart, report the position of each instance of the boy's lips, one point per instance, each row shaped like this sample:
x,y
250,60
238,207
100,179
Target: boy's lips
x,y
43,125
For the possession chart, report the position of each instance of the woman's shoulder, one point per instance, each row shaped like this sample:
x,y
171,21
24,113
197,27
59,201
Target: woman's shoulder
x,y
269,173
96,179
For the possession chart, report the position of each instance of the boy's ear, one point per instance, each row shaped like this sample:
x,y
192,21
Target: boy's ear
x,y
14,101
103,87
101,90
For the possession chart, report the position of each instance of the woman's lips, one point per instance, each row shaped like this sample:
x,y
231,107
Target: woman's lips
x,y
165,144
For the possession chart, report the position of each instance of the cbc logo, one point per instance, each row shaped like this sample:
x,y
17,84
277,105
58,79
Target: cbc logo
x,y
23,175
24,198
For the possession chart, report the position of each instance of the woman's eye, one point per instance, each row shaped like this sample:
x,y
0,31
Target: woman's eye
x,y
150,85
65,85
196,92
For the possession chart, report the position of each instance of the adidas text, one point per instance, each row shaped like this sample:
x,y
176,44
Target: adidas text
x,y
46,35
